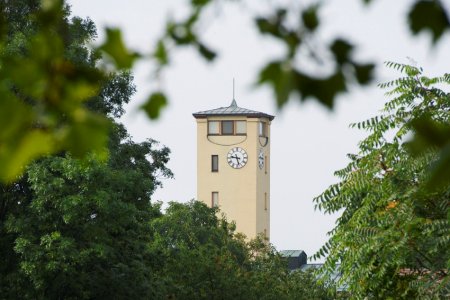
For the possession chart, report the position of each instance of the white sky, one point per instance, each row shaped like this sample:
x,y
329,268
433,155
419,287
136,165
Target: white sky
x,y
308,142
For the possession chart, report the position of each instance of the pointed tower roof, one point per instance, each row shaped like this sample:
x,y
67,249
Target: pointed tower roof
x,y
232,110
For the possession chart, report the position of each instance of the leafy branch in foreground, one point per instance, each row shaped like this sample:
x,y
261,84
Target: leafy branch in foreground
x,y
44,87
393,236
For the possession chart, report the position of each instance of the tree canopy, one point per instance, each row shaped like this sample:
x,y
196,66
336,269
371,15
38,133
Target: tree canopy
x,y
393,237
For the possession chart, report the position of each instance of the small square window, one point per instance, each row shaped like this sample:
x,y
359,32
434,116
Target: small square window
x,y
213,127
227,128
214,163
215,199
241,127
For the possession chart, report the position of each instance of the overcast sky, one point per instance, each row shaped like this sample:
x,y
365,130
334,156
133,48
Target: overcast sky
x,y
308,142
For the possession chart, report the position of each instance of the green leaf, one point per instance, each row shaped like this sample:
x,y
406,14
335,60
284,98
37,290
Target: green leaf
x,y
115,48
341,50
181,33
200,2
267,26
364,72
440,170
33,144
280,76
430,135
310,19
15,117
207,53
429,15
323,89
88,133
273,25
155,103
161,53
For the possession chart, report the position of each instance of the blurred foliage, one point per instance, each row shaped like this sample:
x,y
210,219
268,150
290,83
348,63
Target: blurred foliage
x,y
297,30
393,238
50,71
43,89
50,84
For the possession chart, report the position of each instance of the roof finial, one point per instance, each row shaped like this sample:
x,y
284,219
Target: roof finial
x,y
233,103
233,88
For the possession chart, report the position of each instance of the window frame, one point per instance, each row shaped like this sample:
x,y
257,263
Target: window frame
x,y
235,127
214,204
220,125
215,157
262,129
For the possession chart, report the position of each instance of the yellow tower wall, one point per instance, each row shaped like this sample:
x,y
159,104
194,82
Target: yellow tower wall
x,y
241,191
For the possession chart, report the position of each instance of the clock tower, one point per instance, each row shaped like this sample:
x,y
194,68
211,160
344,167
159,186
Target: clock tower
x,y
233,165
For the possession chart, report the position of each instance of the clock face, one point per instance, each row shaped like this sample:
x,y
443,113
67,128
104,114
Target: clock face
x,y
261,158
237,157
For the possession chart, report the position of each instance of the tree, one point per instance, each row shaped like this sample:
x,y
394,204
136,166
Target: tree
x,y
85,232
201,257
393,237
72,228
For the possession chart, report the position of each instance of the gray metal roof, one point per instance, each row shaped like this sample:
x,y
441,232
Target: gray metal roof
x,y
232,110
291,253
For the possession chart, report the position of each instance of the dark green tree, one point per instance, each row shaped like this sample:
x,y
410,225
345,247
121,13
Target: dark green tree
x,y
201,257
70,228
393,237
85,232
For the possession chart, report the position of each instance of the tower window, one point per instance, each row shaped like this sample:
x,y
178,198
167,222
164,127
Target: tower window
x,y
227,128
215,199
263,129
214,127
241,127
214,163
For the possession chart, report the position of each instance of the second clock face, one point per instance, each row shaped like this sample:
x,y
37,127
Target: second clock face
x,y
237,157
261,159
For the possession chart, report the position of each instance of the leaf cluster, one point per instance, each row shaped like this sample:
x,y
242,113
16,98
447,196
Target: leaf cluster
x,y
393,236
286,76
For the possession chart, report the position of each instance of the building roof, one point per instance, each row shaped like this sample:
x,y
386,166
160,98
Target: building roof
x,y
232,110
291,253
297,264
